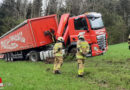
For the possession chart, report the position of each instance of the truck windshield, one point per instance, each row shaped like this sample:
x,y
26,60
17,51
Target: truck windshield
x,y
96,23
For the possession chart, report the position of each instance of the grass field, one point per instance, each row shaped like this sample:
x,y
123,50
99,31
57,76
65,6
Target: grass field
x,y
108,72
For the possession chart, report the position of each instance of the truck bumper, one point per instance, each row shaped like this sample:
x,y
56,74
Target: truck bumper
x,y
96,51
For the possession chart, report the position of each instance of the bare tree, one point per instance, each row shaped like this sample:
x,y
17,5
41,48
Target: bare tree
x,y
51,7
37,8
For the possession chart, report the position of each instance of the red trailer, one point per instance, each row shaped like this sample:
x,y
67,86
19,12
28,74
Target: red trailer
x,y
28,35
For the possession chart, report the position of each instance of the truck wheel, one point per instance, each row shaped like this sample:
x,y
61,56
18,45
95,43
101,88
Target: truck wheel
x,y
34,56
73,51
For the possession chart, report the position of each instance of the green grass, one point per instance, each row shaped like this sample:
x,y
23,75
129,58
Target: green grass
x,y
108,72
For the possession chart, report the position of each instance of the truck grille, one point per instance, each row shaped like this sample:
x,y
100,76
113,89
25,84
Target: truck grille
x,y
101,41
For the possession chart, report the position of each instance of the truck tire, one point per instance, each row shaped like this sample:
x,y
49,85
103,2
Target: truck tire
x,y
34,56
73,51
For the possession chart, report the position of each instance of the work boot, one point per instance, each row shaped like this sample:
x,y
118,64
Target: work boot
x,y
80,75
57,72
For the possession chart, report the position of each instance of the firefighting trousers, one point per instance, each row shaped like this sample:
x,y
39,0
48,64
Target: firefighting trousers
x,y
58,63
80,66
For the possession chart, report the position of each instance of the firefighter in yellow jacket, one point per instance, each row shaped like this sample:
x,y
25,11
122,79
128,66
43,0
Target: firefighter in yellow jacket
x,y
58,55
82,50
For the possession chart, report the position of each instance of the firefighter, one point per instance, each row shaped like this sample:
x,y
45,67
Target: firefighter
x,y
58,55
82,50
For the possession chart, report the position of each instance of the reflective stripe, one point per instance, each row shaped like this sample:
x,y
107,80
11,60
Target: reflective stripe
x,y
79,57
58,44
80,71
58,54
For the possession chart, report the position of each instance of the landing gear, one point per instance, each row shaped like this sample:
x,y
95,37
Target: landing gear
x,y
6,57
9,57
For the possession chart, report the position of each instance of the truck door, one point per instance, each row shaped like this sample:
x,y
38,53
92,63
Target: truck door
x,y
79,25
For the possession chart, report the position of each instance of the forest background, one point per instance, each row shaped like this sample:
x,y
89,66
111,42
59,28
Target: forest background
x,y
116,13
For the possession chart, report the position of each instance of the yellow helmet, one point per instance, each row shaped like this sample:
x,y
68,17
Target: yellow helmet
x,y
81,36
60,39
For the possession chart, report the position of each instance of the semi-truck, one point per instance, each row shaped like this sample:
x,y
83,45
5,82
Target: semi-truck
x,y
34,38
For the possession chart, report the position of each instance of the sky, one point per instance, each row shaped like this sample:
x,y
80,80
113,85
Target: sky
x,y
0,1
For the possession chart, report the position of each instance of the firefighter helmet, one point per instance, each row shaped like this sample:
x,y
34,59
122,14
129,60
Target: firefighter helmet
x,y
60,39
81,36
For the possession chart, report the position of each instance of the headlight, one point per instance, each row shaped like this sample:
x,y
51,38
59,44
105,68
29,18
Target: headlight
x,y
95,49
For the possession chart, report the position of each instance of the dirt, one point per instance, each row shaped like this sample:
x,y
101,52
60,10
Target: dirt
x,y
49,61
